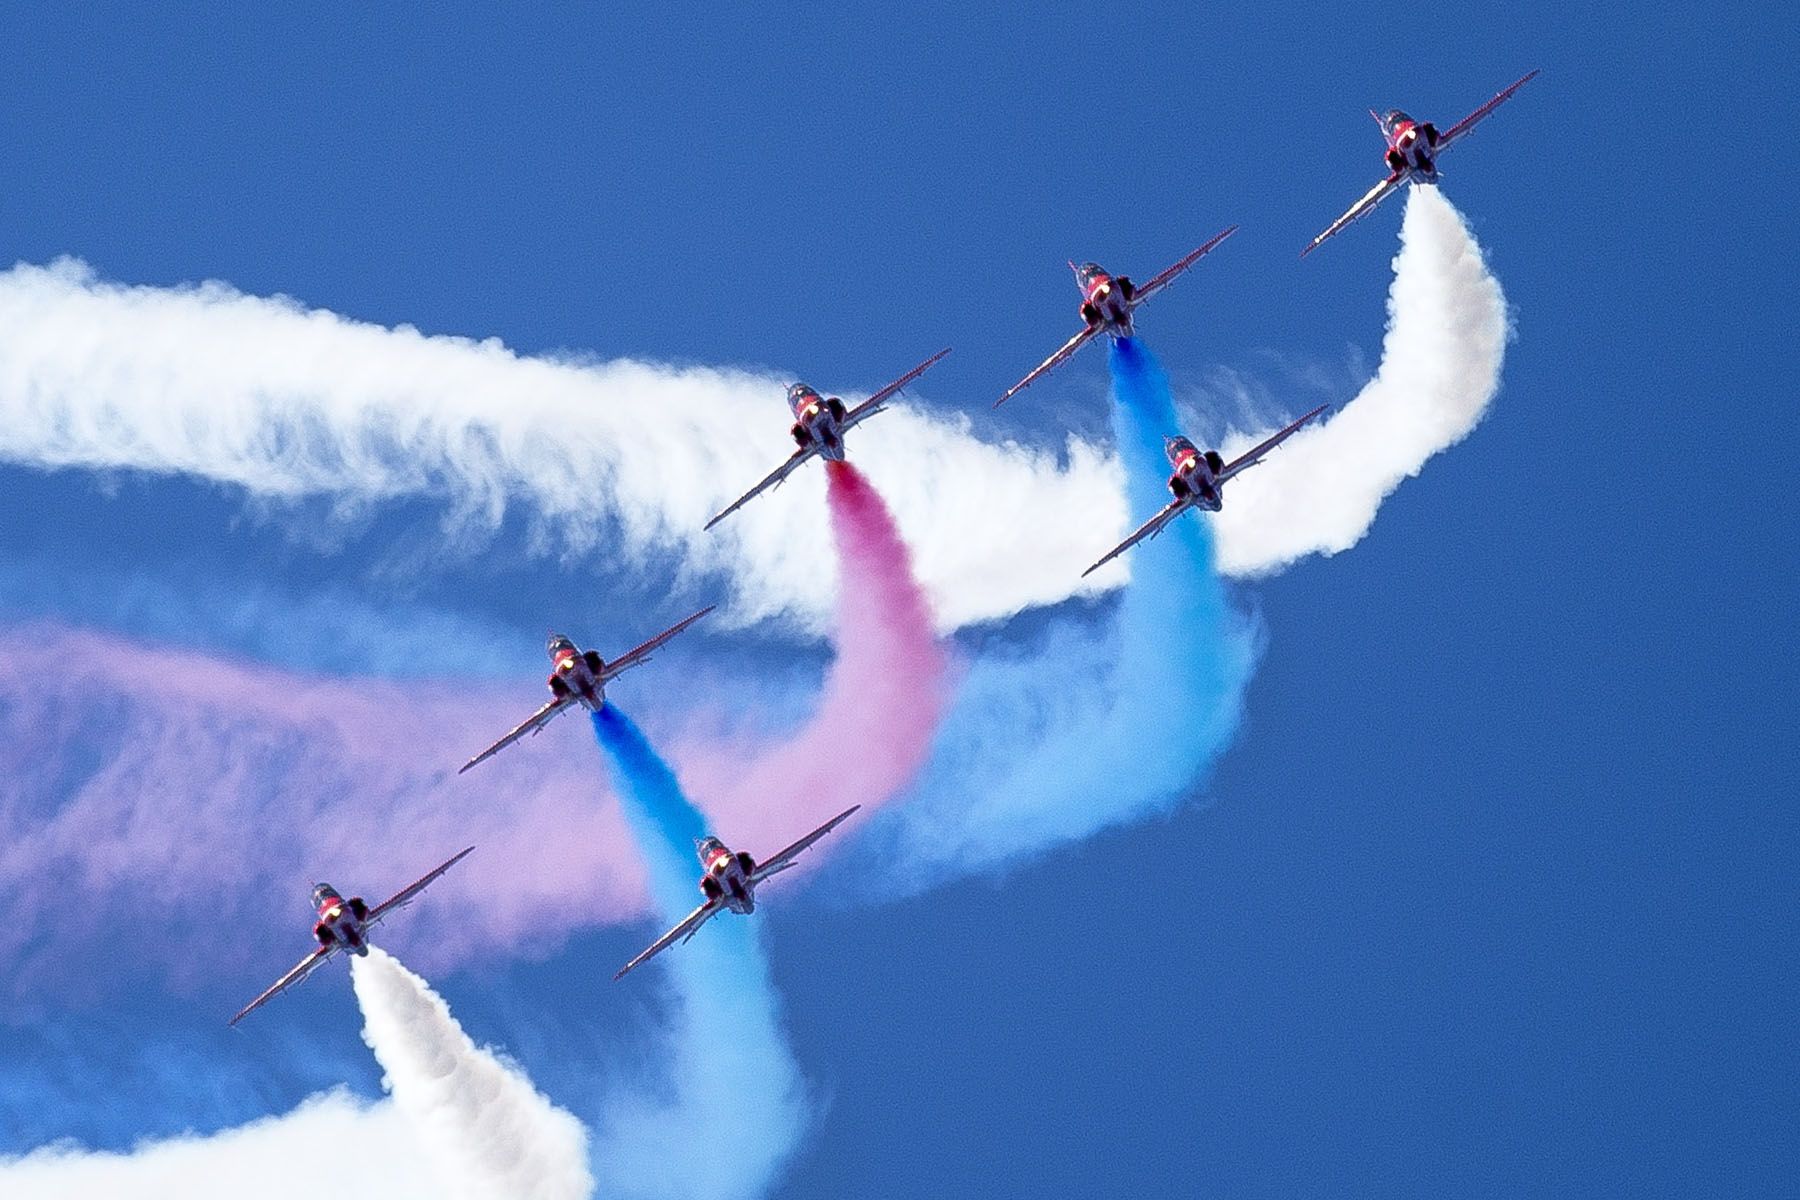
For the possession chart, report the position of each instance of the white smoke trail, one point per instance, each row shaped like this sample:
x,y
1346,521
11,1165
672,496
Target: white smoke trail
x,y
497,1135
290,403
333,1145
1440,367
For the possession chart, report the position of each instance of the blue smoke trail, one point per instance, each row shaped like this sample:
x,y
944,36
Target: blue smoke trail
x,y
662,820
734,1084
1090,727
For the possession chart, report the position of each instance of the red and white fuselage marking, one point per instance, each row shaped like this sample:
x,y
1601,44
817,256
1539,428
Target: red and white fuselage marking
x,y
1195,474
818,421
571,674
1412,146
727,875
340,921
1105,299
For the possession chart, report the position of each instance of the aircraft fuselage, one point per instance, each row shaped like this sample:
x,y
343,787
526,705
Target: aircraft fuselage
x,y
1105,299
575,673
818,421
1412,146
727,875
340,921
1195,477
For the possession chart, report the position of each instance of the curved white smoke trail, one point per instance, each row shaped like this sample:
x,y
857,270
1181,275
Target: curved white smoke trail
x,y
494,1135
1440,367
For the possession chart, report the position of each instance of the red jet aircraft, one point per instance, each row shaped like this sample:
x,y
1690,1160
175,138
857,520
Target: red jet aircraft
x,y
1198,482
1412,150
1107,302
343,925
580,677
820,423
730,881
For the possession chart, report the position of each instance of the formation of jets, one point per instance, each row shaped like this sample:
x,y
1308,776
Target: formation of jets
x,y
729,878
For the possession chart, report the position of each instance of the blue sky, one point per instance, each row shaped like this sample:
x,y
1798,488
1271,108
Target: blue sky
x,y
1494,893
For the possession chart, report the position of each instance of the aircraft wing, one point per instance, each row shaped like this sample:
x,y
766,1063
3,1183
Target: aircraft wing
x,y
773,479
302,969
872,405
531,724
638,655
1069,347
686,929
1249,459
1467,123
1361,208
1148,529
406,894
782,860
1163,280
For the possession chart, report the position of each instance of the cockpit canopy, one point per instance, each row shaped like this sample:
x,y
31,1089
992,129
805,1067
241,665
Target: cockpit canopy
x,y
1177,447
558,643
1087,272
800,395
323,892
706,847
1393,119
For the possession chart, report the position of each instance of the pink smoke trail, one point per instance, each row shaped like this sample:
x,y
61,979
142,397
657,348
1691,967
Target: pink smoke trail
x,y
187,803
879,706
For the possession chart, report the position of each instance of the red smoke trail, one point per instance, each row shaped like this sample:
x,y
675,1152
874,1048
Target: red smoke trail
x,y
880,705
